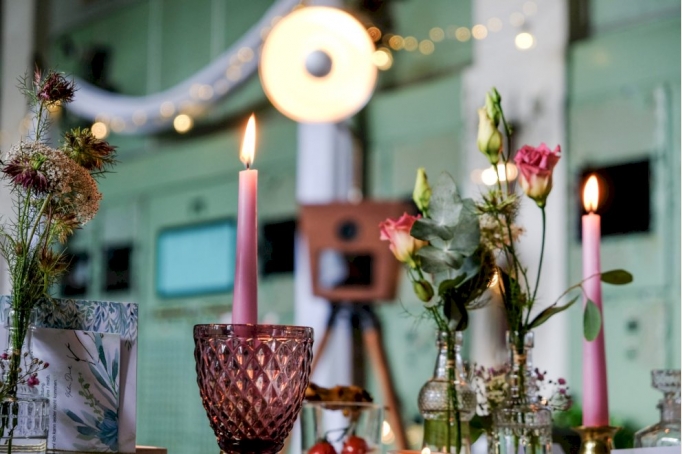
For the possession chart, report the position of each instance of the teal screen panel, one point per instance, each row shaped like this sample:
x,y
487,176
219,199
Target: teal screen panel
x,y
196,259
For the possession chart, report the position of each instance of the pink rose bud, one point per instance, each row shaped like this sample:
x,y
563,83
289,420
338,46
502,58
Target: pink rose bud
x,y
561,381
536,166
403,245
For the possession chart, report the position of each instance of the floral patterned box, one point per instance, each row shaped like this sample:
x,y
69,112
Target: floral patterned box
x,y
101,317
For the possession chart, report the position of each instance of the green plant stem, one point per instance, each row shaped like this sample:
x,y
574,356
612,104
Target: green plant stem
x,y
542,254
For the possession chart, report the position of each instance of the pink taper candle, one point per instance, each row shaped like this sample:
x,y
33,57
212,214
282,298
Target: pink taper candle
x,y
245,306
595,391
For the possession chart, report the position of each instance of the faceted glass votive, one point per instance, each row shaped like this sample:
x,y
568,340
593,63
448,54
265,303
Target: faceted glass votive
x,y
252,380
350,427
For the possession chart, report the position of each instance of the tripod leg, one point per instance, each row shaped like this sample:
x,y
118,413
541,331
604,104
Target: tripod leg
x,y
322,346
375,348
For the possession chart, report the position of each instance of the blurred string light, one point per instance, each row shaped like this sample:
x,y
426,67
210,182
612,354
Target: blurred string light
x,y
99,130
388,42
382,58
183,123
524,41
488,177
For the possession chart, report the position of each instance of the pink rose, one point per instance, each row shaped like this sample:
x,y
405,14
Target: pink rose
x,y
536,166
403,245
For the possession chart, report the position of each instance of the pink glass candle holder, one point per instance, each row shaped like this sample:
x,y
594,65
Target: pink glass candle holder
x,y
252,380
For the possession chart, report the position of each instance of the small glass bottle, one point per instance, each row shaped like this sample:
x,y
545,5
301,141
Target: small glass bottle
x,y
667,431
522,425
446,426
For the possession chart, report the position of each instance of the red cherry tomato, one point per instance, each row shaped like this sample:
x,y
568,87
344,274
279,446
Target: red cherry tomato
x,y
355,445
322,447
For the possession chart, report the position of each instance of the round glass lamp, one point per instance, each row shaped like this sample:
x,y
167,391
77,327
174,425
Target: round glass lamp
x,y
316,65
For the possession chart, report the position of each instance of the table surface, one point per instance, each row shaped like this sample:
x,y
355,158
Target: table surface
x,y
140,450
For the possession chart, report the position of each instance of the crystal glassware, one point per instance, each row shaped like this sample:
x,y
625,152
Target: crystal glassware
x,y
350,427
24,412
522,425
252,380
444,428
667,431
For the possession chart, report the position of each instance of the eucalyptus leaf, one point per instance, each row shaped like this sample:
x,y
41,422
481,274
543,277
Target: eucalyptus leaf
x,y
591,321
445,204
467,232
616,277
427,230
435,260
545,315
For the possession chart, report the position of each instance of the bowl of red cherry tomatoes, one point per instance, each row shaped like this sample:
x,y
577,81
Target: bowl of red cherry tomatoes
x,y
341,427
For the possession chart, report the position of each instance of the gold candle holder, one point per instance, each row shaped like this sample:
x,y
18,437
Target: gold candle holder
x,y
596,440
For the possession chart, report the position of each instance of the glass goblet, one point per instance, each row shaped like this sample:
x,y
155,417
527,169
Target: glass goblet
x,y
252,380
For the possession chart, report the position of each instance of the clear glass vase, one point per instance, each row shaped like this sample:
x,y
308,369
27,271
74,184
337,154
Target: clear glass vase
x,y
24,412
522,425
667,431
447,401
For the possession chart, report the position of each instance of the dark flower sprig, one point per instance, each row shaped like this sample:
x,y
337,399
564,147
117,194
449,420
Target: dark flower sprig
x,y
91,153
53,88
54,193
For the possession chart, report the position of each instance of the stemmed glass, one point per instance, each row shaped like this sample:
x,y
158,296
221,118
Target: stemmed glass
x,y
252,380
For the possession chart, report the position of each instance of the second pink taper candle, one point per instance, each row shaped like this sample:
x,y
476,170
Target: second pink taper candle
x,y
595,389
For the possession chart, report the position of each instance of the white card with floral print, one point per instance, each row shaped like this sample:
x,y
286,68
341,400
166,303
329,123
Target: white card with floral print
x,y
82,384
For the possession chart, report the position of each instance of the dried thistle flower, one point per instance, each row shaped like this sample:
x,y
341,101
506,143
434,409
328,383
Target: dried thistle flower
x,y
72,189
53,88
63,226
25,170
88,151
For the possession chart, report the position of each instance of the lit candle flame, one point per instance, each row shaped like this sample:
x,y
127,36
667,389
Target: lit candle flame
x,y
249,144
591,194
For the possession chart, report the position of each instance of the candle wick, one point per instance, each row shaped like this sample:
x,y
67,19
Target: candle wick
x,y
248,165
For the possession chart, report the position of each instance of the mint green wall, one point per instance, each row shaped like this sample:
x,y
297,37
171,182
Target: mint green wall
x,y
624,105
616,78
159,180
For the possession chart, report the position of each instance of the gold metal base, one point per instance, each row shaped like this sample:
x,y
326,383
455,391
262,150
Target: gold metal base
x,y
596,440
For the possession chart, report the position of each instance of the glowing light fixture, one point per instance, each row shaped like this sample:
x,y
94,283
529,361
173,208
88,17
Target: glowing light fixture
x,y
317,65
524,41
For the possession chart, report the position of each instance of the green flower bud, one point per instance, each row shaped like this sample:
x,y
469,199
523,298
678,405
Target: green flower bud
x,y
495,95
422,191
489,139
423,290
492,109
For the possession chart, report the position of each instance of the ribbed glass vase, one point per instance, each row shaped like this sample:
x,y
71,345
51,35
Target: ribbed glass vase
x,y
447,401
24,412
522,425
